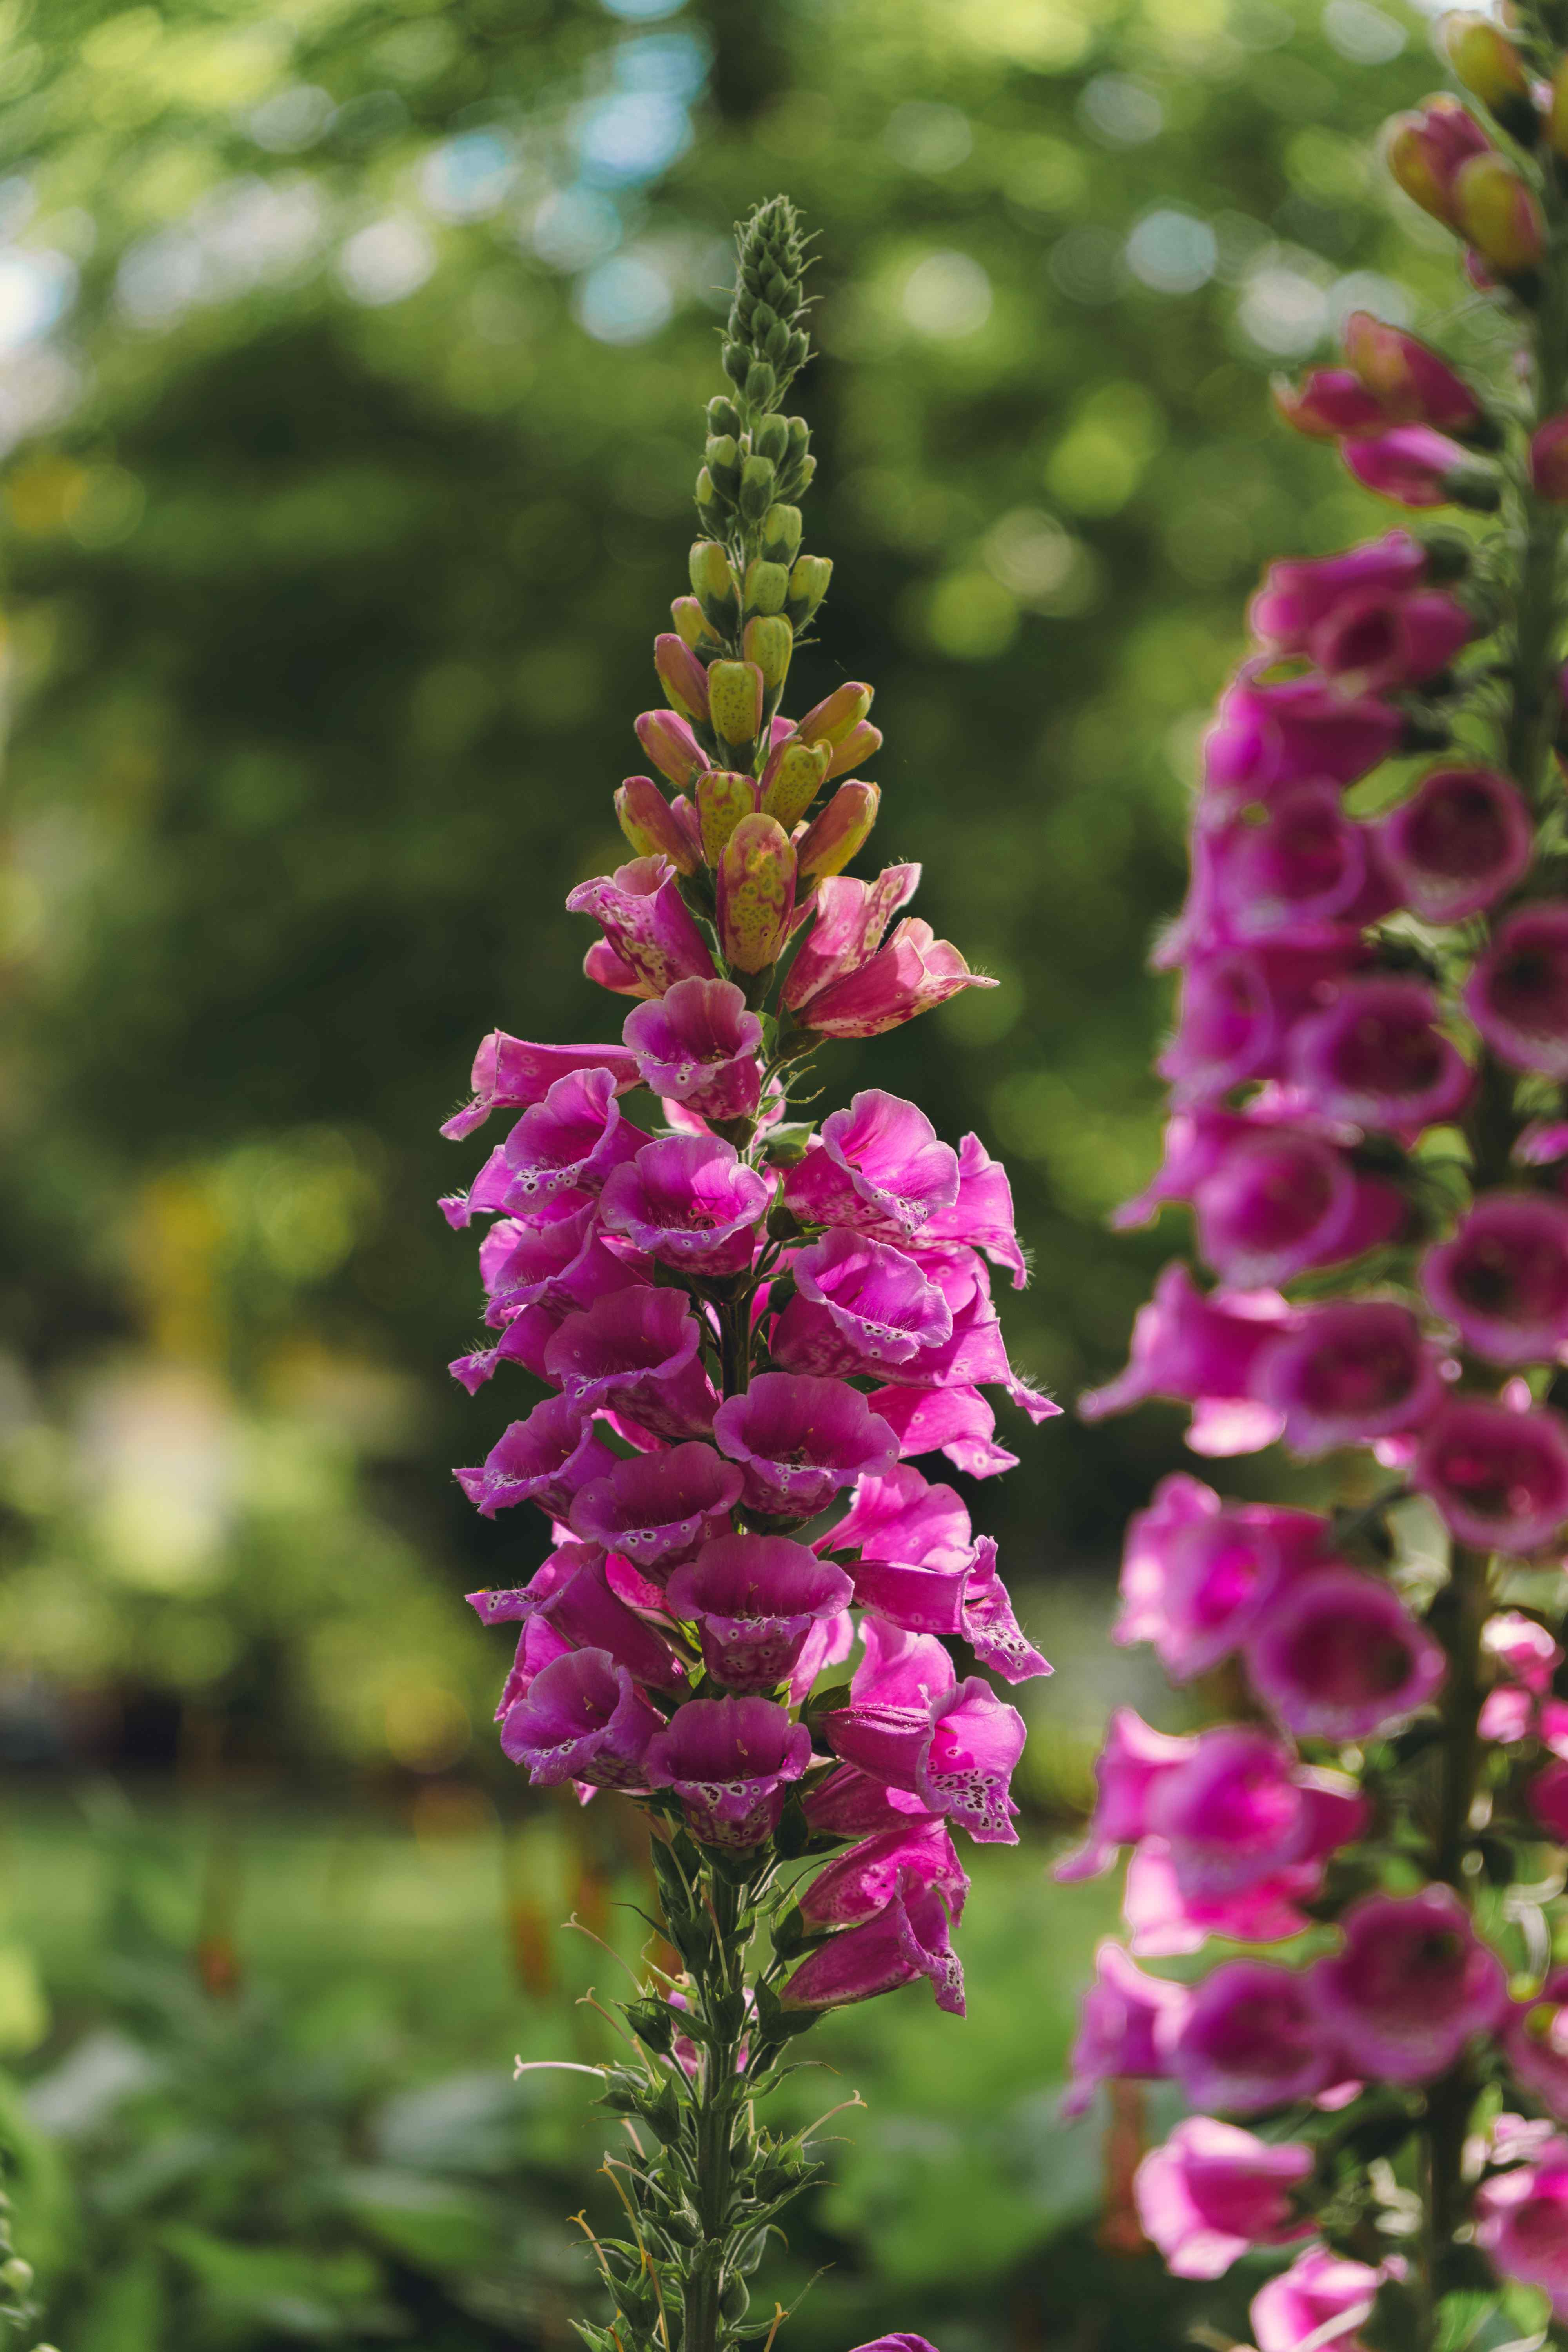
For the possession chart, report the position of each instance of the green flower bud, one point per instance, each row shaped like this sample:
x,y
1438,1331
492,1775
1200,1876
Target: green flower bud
x,y
756,489
780,535
761,385
770,439
808,579
723,797
17,2275
714,583
735,360
735,703
709,513
735,2300
769,641
767,584
798,773
691,626
723,456
724,416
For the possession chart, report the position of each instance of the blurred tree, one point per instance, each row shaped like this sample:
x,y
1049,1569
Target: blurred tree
x,y
350,357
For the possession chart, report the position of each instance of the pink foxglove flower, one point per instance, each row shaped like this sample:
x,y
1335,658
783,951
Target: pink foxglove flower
x,y
584,1718
1376,1056
657,1508
1339,1656
1348,1372
800,1440
1501,1278
1518,993
1127,2023
1202,1350
857,1883
878,1169
1536,2037
730,1762
1412,1985
1499,1477
754,1600
1457,844
1321,2299
908,1939
546,1459
1523,2222
688,1200
1250,2038
1196,1575
859,1307
698,1044
1213,2191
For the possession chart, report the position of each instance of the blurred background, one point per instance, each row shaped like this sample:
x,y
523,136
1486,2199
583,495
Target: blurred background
x,y
352,356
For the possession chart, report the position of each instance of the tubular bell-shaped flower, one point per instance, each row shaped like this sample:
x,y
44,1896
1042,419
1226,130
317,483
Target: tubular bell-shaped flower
x,y
747,1314
1366,1091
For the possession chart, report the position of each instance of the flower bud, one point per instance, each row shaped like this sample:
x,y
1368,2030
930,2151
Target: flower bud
x,y
839,833
762,384
808,579
735,702
755,893
651,825
780,535
671,745
1500,216
1417,467
769,642
709,513
793,777
734,359
1328,403
713,583
691,626
770,439
1411,383
862,743
682,677
722,455
1425,150
723,797
767,585
1490,68
724,416
830,720
756,494
1549,460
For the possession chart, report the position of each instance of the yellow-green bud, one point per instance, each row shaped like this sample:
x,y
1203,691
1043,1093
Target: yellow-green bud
x,y
770,439
756,493
755,893
767,585
1490,67
831,719
839,833
769,641
798,771
691,626
709,513
722,455
808,579
649,825
724,416
714,583
735,703
780,535
723,798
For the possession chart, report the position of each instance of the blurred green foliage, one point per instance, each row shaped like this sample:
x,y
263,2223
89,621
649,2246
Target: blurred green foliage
x,y
351,355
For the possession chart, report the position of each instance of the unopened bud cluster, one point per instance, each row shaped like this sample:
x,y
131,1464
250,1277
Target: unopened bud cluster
x,y
747,1327
1370,1129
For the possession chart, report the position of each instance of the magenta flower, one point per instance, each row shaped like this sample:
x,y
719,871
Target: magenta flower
x,y
671,746
646,923
859,1307
1522,1648
1518,993
1196,1575
1347,1372
1267,736
1127,2023
1377,1057
511,1074
638,1351
754,1599
1321,2300
573,1595
1502,1279
1205,1350
1250,2039
956,1752
583,1719
1499,1477
1300,870
688,1200
1132,1761
567,1144
1382,644
1457,844
1282,1201
908,1939
1165,1918
1240,1009
853,1804
1521,2222
1546,1795
730,1761
1536,2038
1330,402
657,1508
857,1884
878,1168
1240,1809
1337,1656
982,1215
697,1046
921,1568
1298,598
800,1440
1411,1986
1411,464
912,973
557,1259
955,1422
1213,2191
545,1459
1416,385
